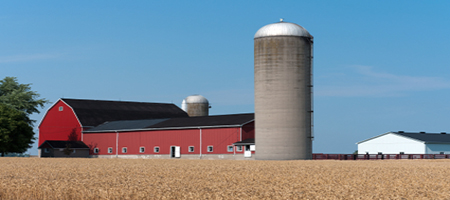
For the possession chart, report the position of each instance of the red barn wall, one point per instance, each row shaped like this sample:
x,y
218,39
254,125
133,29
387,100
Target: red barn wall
x,y
58,125
102,141
219,138
160,138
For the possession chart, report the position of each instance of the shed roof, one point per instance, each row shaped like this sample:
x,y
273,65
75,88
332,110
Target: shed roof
x,y
175,123
95,112
427,137
249,141
420,136
56,144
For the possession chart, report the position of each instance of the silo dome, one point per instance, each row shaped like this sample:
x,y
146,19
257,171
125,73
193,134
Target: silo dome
x,y
195,105
196,99
282,29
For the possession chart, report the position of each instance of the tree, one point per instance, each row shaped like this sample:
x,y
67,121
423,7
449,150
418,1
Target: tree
x,y
17,102
20,96
16,134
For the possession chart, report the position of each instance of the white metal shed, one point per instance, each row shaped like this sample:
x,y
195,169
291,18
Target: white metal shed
x,y
406,143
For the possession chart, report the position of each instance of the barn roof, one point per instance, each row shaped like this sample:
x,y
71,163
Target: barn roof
x,y
420,136
56,144
125,125
427,137
249,141
175,123
95,112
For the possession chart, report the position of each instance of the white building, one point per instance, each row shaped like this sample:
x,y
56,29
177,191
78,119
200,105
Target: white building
x,y
406,143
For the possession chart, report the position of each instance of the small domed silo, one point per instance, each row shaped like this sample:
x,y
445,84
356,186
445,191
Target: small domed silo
x,y
195,105
283,87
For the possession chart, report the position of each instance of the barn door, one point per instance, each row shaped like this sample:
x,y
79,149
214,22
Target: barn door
x,y
172,151
247,152
177,152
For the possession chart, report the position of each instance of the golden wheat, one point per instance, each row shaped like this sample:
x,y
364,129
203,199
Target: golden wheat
x,y
59,178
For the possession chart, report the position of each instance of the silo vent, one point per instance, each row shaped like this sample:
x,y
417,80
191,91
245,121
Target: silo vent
x,y
443,133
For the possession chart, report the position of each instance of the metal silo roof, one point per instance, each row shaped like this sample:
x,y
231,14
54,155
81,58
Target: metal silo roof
x,y
282,29
196,99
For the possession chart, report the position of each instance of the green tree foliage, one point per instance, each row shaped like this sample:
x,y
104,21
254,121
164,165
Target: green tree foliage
x,y
16,134
20,96
17,102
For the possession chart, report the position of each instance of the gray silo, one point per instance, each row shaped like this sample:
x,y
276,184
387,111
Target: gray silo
x,y
195,105
283,87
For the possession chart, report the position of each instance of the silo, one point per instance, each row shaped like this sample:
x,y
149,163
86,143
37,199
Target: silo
x,y
283,87
195,105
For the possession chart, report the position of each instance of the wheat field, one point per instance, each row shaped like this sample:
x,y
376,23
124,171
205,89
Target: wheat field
x,y
65,178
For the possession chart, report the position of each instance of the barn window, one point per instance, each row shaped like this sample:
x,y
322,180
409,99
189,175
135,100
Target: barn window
x,y
402,152
441,152
156,150
210,149
110,150
124,150
230,148
60,108
46,150
141,149
191,149
238,148
96,150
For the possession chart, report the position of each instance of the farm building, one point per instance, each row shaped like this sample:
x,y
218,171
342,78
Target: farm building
x,y
406,143
188,137
75,149
67,118
148,130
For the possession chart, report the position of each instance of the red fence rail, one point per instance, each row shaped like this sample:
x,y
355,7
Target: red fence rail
x,y
320,156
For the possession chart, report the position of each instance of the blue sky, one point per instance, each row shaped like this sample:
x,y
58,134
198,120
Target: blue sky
x,y
378,65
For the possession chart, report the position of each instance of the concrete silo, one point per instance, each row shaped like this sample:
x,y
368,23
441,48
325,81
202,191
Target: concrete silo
x,y
195,105
283,87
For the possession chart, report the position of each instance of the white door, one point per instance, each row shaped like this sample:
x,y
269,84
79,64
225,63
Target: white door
x,y
247,152
177,152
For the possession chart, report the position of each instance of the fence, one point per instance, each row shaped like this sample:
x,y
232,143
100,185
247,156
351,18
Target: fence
x,y
320,156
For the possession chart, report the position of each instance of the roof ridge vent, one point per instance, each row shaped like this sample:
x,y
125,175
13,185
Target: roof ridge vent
x,y
422,132
401,131
443,133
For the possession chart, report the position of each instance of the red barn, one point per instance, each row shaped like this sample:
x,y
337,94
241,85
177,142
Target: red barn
x,y
190,137
148,130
